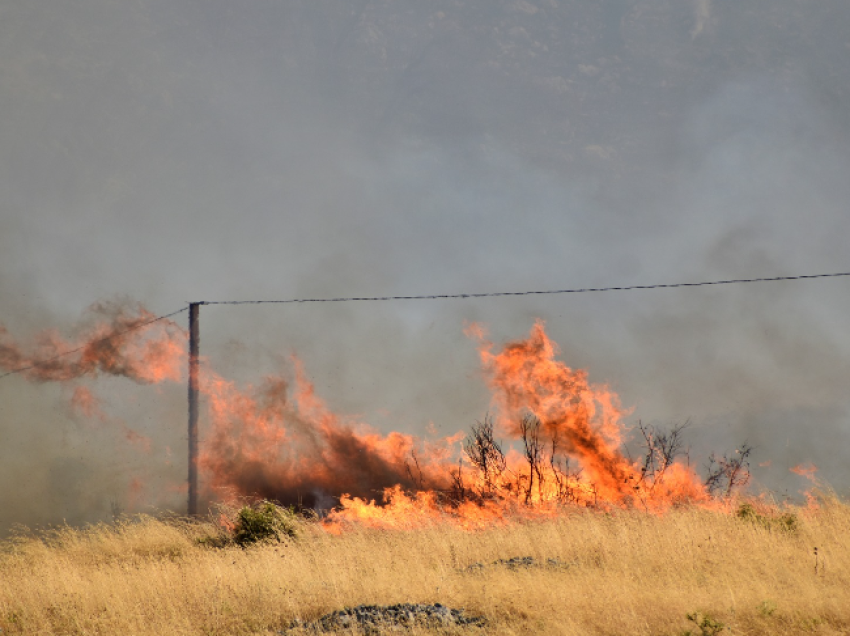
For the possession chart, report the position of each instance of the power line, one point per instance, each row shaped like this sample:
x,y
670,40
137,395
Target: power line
x,y
522,293
41,363
581,290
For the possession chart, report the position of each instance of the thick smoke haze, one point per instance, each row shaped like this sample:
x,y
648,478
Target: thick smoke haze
x,y
166,152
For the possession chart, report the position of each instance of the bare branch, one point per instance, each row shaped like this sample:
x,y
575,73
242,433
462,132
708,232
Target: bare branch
x,y
485,454
529,428
660,451
730,472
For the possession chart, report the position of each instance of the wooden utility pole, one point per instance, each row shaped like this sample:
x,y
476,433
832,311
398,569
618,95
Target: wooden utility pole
x,y
194,345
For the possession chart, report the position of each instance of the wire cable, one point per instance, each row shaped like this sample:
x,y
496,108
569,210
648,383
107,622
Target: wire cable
x,y
88,344
581,290
522,293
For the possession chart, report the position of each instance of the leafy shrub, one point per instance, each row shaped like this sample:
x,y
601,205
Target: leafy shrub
x,y
786,522
707,625
262,523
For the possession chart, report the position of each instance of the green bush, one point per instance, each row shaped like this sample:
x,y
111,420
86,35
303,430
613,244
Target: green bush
x,y
262,523
707,625
786,522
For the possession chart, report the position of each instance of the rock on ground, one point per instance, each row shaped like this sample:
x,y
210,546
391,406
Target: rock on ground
x,y
374,619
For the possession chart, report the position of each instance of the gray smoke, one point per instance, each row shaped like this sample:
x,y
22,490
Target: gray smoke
x,y
170,152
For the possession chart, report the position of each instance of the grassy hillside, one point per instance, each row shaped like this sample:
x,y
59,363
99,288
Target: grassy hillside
x,y
593,573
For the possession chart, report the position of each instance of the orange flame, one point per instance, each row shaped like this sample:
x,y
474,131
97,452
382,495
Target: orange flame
x,y
805,471
577,419
525,377
583,419
282,443
296,451
121,340
84,402
114,345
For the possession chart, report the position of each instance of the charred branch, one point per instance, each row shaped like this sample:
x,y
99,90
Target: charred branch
x,y
529,428
485,454
728,473
661,447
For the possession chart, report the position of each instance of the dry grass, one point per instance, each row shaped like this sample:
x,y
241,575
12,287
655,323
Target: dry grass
x,y
628,573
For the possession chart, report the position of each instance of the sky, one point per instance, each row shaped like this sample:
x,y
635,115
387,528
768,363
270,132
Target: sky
x,y
167,152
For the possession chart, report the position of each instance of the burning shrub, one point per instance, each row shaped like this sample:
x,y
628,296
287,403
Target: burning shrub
x,y
486,455
544,475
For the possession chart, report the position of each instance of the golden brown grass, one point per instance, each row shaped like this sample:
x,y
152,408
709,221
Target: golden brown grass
x,y
628,573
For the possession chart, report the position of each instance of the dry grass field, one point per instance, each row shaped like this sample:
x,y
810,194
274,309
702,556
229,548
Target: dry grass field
x,y
626,573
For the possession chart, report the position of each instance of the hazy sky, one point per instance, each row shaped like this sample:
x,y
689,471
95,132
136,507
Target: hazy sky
x,y
174,151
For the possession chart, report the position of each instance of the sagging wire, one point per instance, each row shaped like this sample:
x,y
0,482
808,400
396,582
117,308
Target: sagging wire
x,y
580,290
41,363
524,293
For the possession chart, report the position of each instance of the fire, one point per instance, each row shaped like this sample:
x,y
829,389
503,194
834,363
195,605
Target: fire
x,y
119,340
555,415
555,439
585,419
296,451
402,511
84,402
805,471
114,345
580,420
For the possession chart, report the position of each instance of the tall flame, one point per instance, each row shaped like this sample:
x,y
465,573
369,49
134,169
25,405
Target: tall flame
x,y
585,419
575,420
283,443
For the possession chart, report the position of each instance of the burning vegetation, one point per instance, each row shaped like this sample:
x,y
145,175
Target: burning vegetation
x,y
551,438
551,448
564,448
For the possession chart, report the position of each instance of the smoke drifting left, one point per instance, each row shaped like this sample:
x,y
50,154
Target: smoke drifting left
x,y
79,441
111,345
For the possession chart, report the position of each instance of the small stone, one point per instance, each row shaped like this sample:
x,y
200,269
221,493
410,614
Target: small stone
x,y
374,619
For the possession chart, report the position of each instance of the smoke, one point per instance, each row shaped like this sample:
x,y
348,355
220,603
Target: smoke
x,y
296,451
112,347
203,151
114,341
702,16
